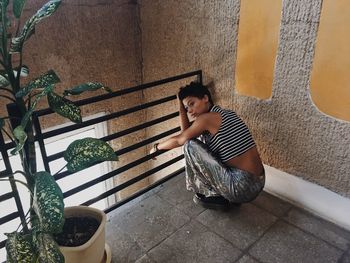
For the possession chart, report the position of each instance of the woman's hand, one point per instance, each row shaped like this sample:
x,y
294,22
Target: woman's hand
x,y
154,149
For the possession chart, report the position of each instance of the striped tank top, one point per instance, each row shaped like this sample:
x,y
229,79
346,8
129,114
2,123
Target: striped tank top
x,y
233,137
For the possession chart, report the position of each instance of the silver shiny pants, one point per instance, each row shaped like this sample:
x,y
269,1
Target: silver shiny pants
x,y
207,175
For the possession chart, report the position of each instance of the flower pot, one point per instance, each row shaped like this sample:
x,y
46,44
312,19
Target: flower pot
x,y
93,251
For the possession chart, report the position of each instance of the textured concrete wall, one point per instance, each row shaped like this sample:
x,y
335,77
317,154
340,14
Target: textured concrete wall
x,y
86,40
291,133
91,40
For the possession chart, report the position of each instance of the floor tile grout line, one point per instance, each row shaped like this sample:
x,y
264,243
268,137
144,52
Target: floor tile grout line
x,y
210,230
325,222
280,218
284,215
246,250
302,210
161,241
283,218
175,205
246,254
311,234
343,256
176,230
182,210
164,239
266,210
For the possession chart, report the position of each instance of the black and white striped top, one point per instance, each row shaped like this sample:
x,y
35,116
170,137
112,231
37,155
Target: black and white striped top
x,y
233,137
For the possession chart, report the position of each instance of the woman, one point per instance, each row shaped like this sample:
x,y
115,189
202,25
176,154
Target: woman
x,y
223,166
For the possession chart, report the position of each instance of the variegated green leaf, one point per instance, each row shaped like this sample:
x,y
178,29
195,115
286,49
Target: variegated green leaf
x,y
21,137
19,248
86,152
64,107
30,111
48,203
5,22
3,76
18,7
3,8
89,86
24,71
49,251
47,10
4,3
3,81
44,81
27,117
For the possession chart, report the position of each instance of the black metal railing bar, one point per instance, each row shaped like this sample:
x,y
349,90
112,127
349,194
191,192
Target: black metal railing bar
x,y
123,132
130,148
6,196
8,169
107,117
133,180
9,217
129,90
41,136
116,171
141,192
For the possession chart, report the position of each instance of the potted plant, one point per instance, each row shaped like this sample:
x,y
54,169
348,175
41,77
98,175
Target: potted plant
x,y
83,236
35,242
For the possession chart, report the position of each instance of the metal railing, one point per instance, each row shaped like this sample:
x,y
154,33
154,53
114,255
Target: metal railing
x,y
41,135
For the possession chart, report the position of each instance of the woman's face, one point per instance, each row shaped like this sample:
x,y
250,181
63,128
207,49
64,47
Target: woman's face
x,y
196,106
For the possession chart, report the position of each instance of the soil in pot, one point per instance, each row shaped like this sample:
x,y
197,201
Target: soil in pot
x,y
77,231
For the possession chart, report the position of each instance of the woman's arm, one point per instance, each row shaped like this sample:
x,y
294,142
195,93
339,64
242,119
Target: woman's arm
x,y
184,121
193,131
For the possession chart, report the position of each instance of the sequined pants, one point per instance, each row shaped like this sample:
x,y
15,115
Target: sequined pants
x,y
207,175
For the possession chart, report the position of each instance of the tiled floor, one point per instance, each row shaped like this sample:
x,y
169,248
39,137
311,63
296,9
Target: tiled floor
x,y
166,226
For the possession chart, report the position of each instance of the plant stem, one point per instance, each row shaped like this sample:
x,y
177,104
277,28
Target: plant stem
x,y
60,170
26,217
2,62
17,181
4,34
18,79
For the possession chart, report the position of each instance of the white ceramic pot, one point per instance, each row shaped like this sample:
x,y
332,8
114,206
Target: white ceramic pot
x,y
93,250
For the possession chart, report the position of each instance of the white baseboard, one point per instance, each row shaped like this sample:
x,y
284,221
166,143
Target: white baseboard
x,y
312,197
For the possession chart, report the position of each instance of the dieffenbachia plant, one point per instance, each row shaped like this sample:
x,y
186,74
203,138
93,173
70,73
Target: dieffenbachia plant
x,y
34,242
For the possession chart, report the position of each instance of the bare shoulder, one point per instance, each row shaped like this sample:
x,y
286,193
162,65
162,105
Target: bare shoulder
x,y
211,120
209,116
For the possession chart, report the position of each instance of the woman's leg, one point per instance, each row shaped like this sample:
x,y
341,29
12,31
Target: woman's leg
x,y
196,178
208,176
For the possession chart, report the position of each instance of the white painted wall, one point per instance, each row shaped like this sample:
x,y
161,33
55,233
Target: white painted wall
x,y
317,199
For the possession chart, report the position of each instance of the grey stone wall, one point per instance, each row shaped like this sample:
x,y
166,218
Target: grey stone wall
x,y
291,133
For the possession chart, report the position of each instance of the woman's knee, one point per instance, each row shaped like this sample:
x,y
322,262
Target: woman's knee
x,y
190,145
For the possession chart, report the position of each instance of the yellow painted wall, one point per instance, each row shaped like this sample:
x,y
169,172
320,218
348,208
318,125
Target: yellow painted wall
x,y
330,81
259,25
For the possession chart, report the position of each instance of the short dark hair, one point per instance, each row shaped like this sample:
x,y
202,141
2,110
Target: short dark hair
x,y
194,89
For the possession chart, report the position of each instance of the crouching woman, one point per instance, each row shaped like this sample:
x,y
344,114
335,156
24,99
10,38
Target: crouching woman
x,y
223,166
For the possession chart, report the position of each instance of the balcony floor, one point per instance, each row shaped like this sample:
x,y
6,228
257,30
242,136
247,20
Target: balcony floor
x,y
164,225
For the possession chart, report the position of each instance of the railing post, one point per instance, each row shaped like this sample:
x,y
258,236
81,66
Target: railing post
x,y
14,113
12,182
200,77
